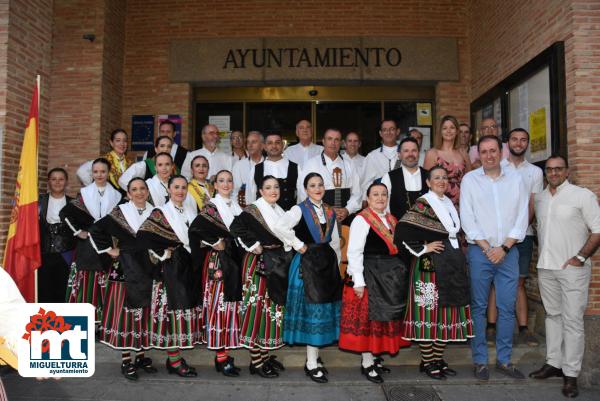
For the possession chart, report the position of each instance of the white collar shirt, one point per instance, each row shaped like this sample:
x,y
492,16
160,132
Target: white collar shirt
x,y
378,163
217,161
300,154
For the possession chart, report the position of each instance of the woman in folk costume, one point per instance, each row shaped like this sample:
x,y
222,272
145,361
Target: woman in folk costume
x,y
174,312
221,273
117,157
265,269
374,298
127,305
437,310
147,168
200,190
87,280
314,287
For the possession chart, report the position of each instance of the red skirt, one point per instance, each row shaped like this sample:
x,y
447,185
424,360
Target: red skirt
x,y
359,334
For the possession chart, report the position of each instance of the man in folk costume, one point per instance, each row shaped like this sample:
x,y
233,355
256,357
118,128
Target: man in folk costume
x,y
179,153
243,168
87,281
342,185
57,241
279,167
147,168
408,182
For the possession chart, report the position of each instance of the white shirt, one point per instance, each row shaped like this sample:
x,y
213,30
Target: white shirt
x,y
277,169
494,209
377,163
300,154
358,164
359,230
285,230
422,157
235,159
349,179
412,182
137,169
54,207
217,161
532,177
565,221
241,175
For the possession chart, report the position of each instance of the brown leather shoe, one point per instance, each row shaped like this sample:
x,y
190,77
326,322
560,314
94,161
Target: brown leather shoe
x,y
570,387
545,372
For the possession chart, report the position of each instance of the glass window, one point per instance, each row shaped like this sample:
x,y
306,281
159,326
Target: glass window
x,y
280,117
204,110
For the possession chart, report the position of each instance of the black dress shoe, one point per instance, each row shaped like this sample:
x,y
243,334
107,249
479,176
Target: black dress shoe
x,y
128,371
570,389
265,370
545,372
446,370
379,365
145,363
432,370
183,370
314,374
275,364
375,378
322,365
227,367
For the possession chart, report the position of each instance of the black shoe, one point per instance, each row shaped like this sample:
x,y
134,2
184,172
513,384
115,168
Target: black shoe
x,y
545,372
128,371
322,365
227,367
312,373
510,370
145,363
432,370
265,370
481,372
377,379
275,364
183,370
570,389
379,365
446,370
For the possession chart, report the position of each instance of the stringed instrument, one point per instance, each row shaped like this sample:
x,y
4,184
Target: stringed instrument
x,y
343,231
241,198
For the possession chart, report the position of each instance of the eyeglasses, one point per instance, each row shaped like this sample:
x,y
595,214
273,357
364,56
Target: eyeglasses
x,y
488,128
550,170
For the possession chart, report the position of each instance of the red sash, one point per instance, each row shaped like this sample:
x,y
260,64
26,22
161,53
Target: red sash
x,y
380,229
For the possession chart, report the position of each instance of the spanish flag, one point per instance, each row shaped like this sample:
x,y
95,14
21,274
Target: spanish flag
x,y
22,254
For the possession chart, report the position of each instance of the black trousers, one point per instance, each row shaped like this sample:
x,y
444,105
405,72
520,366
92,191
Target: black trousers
x,y
53,276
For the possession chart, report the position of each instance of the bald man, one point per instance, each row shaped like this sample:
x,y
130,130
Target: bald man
x,y
217,160
305,149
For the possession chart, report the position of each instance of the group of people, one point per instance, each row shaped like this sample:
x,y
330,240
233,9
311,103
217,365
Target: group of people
x,y
310,245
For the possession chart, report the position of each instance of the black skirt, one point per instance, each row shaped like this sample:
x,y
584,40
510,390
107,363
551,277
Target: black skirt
x,y
386,278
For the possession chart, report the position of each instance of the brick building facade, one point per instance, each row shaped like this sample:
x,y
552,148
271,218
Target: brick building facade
x,y
91,87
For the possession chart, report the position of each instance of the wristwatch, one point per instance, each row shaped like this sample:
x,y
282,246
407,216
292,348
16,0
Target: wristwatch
x,y
505,249
580,258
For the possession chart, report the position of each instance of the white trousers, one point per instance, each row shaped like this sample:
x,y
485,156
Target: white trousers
x,y
565,295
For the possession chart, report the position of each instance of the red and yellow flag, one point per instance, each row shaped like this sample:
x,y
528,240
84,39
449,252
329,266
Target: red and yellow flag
x,y
22,254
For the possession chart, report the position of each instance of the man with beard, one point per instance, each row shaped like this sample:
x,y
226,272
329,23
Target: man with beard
x,y
532,176
217,160
406,183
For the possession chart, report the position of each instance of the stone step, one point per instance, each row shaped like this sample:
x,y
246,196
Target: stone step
x,y
455,354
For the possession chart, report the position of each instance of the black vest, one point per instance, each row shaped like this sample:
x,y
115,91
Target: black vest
x,y
287,185
374,245
54,238
400,199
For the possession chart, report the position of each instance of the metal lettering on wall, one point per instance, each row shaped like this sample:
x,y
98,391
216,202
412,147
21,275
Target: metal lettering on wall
x,y
313,57
312,60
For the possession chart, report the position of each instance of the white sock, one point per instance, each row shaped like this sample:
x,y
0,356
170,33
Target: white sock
x,y
367,359
312,353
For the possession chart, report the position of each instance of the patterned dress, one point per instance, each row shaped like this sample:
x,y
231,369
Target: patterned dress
x,y
264,281
221,278
456,173
428,317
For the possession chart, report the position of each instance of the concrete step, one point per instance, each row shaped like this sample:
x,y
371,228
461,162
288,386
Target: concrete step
x,y
455,354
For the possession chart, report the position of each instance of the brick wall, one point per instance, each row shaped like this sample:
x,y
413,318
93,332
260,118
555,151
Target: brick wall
x,y
25,41
152,25
505,35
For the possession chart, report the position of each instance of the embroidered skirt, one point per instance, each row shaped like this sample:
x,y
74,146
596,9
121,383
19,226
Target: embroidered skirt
x,y
173,329
425,320
221,320
304,323
359,334
87,286
261,318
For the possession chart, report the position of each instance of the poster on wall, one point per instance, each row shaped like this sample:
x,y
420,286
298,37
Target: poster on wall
x,y
223,123
424,114
142,132
174,118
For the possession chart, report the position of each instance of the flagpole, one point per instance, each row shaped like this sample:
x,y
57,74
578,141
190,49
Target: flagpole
x,y
38,83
